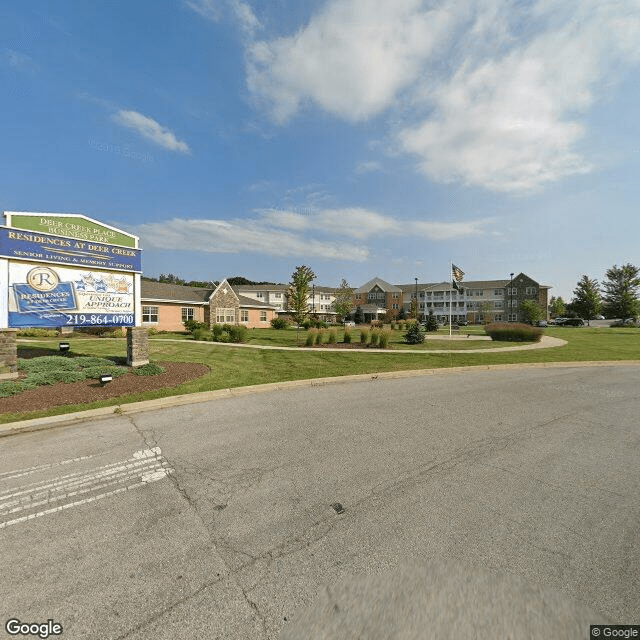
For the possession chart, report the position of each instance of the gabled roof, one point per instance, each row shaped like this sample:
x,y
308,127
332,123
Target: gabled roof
x,y
255,304
385,286
411,288
161,291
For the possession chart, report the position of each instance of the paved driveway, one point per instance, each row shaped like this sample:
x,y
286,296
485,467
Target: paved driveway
x,y
221,519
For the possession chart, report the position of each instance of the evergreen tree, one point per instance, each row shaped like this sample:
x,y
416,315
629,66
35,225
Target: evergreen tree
x,y
431,323
358,317
414,335
586,298
621,291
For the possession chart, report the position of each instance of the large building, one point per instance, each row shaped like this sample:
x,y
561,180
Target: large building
x,y
477,301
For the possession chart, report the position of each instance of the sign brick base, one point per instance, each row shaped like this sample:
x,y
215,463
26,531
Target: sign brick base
x,y
137,346
8,354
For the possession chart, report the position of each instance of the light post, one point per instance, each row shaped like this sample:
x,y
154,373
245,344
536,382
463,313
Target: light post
x,y
510,296
313,303
416,279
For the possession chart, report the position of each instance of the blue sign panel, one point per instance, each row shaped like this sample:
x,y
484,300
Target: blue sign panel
x,y
29,299
43,247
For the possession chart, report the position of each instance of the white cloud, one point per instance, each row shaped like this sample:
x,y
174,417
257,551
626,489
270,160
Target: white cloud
x,y
245,17
368,167
150,129
208,9
352,59
336,234
20,61
492,94
243,235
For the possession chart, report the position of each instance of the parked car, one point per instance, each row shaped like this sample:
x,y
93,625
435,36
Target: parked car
x,y
349,323
541,323
570,322
599,318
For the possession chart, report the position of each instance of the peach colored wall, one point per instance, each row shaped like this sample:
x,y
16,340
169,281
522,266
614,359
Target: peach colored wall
x,y
170,315
254,319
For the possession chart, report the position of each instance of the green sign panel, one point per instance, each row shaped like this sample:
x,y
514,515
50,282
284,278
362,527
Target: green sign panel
x,y
70,226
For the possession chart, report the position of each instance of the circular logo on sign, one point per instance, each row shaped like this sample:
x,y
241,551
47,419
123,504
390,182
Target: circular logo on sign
x,y
43,279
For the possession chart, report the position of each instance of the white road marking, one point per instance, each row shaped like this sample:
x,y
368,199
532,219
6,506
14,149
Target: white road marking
x,y
142,468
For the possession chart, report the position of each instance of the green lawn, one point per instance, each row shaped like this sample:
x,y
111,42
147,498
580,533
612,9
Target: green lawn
x,y
234,367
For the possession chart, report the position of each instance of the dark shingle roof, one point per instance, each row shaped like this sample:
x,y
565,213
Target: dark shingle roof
x,y
173,292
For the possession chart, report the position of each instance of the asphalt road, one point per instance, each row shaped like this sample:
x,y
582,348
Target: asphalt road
x,y
215,520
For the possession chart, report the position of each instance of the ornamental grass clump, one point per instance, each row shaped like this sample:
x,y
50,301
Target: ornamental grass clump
x,y
332,337
311,337
347,336
513,332
364,336
320,337
384,339
375,337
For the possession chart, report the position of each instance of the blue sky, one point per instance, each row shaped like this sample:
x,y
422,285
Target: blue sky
x,y
360,137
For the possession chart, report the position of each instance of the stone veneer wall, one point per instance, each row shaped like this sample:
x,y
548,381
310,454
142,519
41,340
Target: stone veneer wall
x,y
8,353
137,346
228,300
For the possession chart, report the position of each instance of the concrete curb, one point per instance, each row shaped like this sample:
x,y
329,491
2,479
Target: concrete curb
x,y
69,419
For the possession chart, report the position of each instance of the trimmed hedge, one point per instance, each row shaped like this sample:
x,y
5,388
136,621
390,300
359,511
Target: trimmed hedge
x,y
150,369
513,332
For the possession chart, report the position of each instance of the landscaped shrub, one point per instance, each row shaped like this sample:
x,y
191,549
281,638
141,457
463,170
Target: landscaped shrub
x,y
11,387
377,324
513,332
216,331
347,336
311,337
431,323
152,331
333,336
414,335
149,369
238,333
101,332
33,332
279,323
320,337
48,363
364,336
384,339
393,326
192,325
202,334
375,337
306,324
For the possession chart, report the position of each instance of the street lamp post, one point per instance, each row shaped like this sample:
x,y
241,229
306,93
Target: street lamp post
x,y
313,303
510,296
416,279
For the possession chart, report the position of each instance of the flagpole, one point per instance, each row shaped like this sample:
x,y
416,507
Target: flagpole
x,y
450,293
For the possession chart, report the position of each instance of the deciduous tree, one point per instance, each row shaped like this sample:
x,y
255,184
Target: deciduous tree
x,y
532,311
298,294
344,300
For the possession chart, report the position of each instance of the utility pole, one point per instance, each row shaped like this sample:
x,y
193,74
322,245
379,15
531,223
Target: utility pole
x,y
510,296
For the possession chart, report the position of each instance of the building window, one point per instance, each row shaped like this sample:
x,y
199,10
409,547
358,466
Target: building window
x,y
259,294
357,296
395,296
512,292
395,306
225,315
498,317
187,314
149,314
513,317
531,291
263,316
498,292
278,295
498,304
244,315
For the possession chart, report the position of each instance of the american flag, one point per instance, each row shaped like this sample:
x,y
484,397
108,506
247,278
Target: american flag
x,y
457,273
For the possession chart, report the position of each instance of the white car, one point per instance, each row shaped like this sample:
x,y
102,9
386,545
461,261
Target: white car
x,y
349,323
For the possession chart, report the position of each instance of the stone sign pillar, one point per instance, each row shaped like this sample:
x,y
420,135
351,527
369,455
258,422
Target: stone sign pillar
x,y
8,354
137,346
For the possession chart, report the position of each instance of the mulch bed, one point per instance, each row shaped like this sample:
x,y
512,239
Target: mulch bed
x,y
87,391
